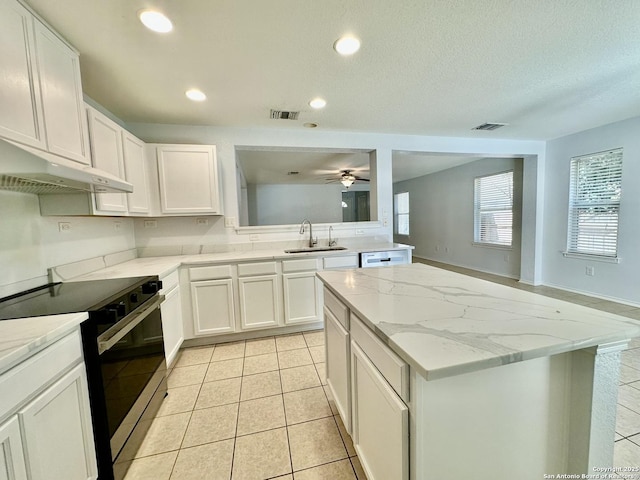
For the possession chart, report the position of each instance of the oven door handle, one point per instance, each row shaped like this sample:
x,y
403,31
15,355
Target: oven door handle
x,y
116,333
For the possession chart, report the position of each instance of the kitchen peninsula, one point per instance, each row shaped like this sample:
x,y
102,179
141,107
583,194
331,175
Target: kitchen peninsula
x,y
439,375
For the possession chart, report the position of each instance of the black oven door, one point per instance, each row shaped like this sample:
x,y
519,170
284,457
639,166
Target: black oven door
x,y
129,379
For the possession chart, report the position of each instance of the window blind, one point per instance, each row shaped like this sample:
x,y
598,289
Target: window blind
x,y
493,207
594,203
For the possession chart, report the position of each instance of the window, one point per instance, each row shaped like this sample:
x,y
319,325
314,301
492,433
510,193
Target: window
x,y
401,213
493,206
594,204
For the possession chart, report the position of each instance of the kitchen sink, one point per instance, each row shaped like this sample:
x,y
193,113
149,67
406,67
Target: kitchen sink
x,y
314,249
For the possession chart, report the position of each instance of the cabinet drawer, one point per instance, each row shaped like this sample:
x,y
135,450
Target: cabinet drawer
x,y
302,265
349,261
337,308
30,376
169,281
263,268
209,273
390,365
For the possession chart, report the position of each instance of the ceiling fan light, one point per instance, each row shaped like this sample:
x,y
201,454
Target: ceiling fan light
x,y
156,21
347,181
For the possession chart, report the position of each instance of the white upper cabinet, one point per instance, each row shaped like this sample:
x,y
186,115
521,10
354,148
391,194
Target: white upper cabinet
x,y
40,86
64,120
188,176
135,166
20,115
106,154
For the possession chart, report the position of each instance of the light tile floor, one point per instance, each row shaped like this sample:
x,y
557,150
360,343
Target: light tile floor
x,y
249,410
627,446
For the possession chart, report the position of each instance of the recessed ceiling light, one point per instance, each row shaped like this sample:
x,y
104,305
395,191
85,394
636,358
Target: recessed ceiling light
x,y
155,21
347,45
318,103
195,95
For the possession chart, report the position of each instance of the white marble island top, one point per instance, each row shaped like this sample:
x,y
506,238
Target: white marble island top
x,y
443,323
22,337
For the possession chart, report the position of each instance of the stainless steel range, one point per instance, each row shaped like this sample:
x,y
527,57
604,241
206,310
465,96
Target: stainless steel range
x,y
123,352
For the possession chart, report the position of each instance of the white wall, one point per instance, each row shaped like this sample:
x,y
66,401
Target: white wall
x,y
442,217
29,243
290,204
615,281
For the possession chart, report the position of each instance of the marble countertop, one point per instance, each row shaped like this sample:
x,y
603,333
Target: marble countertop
x,y
163,265
443,323
21,338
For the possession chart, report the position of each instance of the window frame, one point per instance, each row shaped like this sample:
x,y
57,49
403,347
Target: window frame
x,y
397,214
478,211
607,252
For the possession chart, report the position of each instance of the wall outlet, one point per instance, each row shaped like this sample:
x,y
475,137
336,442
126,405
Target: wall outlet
x,y
202,221
359,231
117,226
150,224
507,257
590,271
64,226
437,248
254,238
229,222
446,249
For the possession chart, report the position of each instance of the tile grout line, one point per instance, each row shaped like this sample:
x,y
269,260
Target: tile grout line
x,y
284,409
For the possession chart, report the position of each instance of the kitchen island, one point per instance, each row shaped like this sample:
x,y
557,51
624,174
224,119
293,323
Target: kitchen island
x,y
439,375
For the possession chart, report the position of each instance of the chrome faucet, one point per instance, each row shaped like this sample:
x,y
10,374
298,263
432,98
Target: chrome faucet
x,y
312,242
331,242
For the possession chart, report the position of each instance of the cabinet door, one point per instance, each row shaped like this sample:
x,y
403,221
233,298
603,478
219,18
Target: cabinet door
x,y
58,435
188,179
20,117
301,298
12,466
259,306
380,422
172,324
135,167
338,368
213,310
64,117
106,154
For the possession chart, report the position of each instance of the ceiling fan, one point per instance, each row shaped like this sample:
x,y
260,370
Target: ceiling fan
x,y
347,178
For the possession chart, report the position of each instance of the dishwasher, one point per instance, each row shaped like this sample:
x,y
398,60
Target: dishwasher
x,y
384,258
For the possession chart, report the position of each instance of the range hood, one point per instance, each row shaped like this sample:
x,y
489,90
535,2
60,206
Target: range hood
x,y
28,170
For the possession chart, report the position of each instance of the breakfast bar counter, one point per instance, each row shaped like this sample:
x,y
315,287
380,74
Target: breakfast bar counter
x,y
500,383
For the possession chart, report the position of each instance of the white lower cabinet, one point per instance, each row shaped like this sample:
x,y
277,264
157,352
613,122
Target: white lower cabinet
x,y
12,464
213,310
302,291
58,436
259,301
173,336
380,421
338,366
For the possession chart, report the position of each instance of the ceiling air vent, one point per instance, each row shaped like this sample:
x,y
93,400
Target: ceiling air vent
x,y
489,126
284,115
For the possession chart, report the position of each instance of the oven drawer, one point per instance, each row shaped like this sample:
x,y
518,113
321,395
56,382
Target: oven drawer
x,y
29,377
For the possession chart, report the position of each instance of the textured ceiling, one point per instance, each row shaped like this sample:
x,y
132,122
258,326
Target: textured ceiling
x,y
428,67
